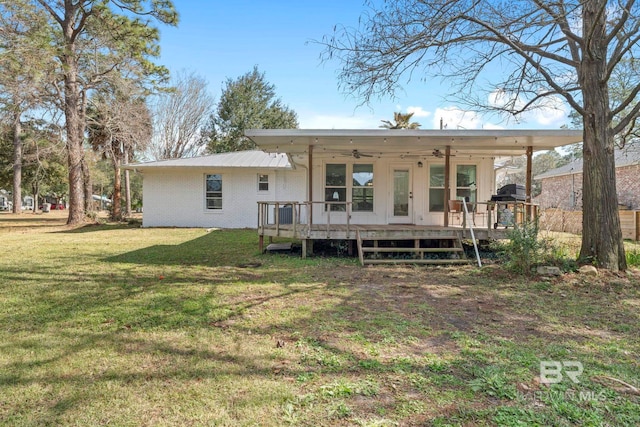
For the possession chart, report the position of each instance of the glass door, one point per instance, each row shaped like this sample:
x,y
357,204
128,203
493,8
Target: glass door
x,y
402,200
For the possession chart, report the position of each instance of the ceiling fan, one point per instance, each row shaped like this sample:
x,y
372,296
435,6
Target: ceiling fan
x,y
439,154
356,154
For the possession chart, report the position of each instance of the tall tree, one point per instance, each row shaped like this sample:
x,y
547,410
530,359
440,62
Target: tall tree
x,y
179,115
24,68
248,102
113,29
533,53
400,121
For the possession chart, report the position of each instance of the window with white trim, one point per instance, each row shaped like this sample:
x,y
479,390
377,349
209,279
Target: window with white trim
x,y
263,182
358,189
436,188
466,182
335,185
362,189
213,191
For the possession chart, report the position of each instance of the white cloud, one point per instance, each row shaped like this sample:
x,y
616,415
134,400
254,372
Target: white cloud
x,y
418,112
550,111
455,118
320,121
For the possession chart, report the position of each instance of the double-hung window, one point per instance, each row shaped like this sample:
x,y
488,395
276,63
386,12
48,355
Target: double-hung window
x,y
213,192
466,183
263,182
358,189
362,188
335,186
436,188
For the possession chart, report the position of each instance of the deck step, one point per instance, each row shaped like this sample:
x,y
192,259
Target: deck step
x,y
418,251
278,247
418,261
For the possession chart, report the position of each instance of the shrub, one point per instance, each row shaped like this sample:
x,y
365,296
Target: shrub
x,y
525,249
633,258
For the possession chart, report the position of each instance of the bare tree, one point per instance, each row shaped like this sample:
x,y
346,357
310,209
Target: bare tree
x,y
179,115
119,123
533,53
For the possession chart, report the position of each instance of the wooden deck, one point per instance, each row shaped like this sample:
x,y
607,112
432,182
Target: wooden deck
x,y
382,231
414,243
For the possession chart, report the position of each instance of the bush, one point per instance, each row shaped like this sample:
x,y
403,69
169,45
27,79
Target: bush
x,y
525,249
633,258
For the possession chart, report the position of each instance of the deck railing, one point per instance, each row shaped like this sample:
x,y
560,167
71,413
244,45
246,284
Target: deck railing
x,y
298,216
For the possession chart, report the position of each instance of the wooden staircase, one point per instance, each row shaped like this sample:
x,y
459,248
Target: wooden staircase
x,y
392,251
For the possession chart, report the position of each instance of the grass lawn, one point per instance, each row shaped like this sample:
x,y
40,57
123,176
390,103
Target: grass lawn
x,y
118,325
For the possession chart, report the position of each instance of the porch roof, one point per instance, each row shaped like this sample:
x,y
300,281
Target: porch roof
x,y
415,142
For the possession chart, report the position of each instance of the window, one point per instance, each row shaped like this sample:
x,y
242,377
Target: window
x,y
263,182
436,188
335,185
359,187
362,188
465,185
213,193
466,182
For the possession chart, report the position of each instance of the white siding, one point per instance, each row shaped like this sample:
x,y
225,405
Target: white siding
x,y
175,197
383,187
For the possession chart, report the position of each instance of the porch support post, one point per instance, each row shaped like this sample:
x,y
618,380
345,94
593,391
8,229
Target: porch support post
x,y
529,182
310,183
307,247
447,192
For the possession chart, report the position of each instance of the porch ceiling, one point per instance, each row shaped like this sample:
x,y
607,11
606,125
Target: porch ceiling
x,y
413,142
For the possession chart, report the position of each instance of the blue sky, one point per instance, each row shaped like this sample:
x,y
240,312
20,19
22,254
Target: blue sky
x,y
225,39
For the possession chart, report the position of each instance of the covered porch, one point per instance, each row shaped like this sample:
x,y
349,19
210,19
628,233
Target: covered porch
x,y
400,184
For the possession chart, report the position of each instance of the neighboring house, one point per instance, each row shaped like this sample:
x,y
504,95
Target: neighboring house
x,y
374,181
219,190
562,187
5,200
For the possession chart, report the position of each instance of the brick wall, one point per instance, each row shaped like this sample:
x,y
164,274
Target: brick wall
x,y
557,191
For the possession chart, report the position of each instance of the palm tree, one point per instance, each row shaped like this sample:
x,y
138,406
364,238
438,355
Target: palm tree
x,y
402,121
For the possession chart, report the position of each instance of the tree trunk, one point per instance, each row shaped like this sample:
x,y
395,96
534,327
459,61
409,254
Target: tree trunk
x,y
17,164
127,186
116,211
88,188
75,151
602,242
36,195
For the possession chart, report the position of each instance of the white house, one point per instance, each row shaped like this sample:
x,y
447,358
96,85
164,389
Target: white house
x,y
219,190
345,184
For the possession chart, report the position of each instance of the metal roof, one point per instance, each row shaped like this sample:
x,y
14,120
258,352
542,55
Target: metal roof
x,y
238,159
462,141
627,156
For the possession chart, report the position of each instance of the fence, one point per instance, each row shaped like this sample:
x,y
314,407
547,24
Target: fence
x,y
571,222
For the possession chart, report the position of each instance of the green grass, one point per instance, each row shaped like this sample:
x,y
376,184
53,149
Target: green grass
x,y
112,324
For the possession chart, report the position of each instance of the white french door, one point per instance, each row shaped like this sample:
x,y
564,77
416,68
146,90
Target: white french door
x,y
401,208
